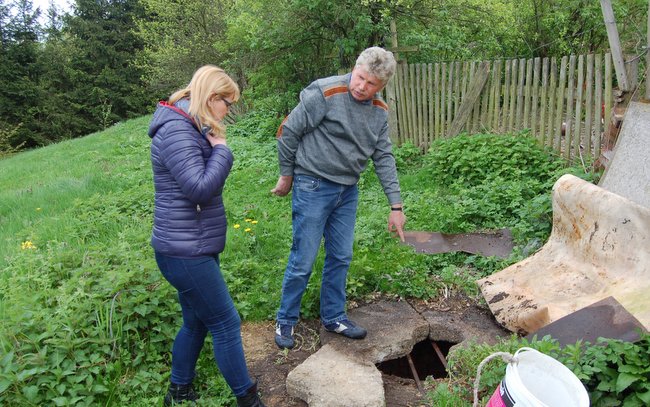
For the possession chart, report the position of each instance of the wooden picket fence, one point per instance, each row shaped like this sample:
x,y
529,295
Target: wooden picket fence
x,y
566,103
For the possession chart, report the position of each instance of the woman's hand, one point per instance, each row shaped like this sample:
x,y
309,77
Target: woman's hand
x,y
214,140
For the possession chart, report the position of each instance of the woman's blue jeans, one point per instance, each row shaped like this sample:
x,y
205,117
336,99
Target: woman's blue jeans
x,y
206,306
320,209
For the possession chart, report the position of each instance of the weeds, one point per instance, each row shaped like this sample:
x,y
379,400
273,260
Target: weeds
x,y
88,319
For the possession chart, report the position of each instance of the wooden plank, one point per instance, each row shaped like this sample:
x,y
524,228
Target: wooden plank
x,y
577,137
534,98
430,101
413,106
520,94
391,99
450,108
589,100
418,104
497,96
443,99
527,93
485,104
490,100
474,122
513,96
632,69
474,93
552,89
506,96
466,74
425,108
568,119
437,87
404,48
397,105
457,87
614,44
403,104
560,104
598,104
608,100
552,96
544,103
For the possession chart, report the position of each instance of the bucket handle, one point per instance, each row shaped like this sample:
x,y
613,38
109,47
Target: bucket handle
x,y
505,356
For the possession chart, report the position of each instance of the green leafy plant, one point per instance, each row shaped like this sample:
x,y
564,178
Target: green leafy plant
x,y
617,373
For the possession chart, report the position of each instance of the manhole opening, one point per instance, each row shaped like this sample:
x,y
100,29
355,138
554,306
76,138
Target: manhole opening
x,y
425,360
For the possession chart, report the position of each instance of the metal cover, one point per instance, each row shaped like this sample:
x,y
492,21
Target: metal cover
x,y
606,318
494,243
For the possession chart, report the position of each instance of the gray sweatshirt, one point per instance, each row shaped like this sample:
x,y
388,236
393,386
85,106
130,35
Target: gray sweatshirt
x,y
331,135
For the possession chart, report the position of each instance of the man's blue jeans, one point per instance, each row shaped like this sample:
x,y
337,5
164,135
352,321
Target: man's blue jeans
x,y
206,306
319,209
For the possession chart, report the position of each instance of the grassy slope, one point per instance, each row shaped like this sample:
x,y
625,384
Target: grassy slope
x,y
85,205
88,318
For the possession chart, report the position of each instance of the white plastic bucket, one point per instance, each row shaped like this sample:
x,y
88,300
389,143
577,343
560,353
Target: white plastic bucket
x,y
538,380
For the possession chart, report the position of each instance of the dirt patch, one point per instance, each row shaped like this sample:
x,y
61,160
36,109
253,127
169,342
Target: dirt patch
x,y
270,365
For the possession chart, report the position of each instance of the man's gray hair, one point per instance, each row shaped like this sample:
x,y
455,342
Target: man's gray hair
x,y
377,62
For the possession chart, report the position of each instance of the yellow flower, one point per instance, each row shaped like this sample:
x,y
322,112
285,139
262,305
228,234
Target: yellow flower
x,y
237,226
247,230
38,209
254,222
248,220
27,245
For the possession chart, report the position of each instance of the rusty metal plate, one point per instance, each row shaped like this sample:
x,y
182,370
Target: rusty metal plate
x,y
494,243
606,318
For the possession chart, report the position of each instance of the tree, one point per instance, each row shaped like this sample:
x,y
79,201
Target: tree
x,y
19,71
179,37
101,83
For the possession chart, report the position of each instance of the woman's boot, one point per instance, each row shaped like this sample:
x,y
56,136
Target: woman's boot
x,y
251,398
179,393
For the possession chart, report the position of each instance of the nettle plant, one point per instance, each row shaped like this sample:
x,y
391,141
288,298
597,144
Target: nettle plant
x,y
617,373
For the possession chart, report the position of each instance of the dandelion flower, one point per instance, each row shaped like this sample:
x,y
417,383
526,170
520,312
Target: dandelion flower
x,y
254,222
38,209
248,220
247,230
237,226
26,245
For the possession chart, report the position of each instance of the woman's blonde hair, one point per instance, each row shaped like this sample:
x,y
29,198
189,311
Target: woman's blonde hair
x,y
208,82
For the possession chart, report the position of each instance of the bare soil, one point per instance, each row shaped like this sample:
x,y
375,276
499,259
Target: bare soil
x,y
270,365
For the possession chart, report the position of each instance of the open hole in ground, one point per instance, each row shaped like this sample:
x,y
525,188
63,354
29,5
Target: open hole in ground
x,y
425,361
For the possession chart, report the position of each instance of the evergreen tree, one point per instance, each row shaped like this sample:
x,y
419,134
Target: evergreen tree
x,y
19,71
102,84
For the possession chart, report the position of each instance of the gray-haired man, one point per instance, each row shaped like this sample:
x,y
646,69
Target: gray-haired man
x,y
323,146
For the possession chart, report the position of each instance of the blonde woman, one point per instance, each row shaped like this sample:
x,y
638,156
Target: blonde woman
x,y
191,161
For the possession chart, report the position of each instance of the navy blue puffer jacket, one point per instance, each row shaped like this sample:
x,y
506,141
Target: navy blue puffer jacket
x,y
189,175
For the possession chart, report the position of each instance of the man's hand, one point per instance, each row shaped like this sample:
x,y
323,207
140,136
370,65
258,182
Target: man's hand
x,y
283,186
396,221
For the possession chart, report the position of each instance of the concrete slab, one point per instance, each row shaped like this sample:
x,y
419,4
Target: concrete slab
x,y
469,325
393,329
628,172
343,371
329,378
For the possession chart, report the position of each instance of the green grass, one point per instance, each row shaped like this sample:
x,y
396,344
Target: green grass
x,y
87,318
